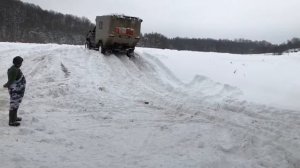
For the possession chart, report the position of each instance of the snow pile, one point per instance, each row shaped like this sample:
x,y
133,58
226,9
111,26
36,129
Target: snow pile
x,y
84,109
263,78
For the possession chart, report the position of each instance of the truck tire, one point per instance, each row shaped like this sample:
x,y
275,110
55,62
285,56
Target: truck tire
x,y
130,53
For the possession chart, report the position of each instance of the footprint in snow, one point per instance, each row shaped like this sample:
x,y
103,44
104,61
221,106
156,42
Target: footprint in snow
x,y
34,120
25,131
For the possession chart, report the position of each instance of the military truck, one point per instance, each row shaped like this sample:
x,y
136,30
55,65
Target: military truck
x,y
115,33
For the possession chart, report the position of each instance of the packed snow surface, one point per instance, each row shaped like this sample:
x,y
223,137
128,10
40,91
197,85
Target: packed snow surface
x,y
162,108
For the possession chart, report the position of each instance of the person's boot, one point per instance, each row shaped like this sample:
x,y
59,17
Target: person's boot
x,y
16,117
14,124
12,118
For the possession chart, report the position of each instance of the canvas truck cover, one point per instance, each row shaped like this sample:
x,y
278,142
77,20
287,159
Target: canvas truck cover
x,y
117,31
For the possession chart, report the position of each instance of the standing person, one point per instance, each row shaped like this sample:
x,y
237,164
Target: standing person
x,y
16,87
88,39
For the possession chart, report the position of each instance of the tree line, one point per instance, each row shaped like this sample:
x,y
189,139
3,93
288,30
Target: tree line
x,y
25,22
239,46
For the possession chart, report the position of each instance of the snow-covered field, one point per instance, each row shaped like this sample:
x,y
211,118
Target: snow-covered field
x,y
164,108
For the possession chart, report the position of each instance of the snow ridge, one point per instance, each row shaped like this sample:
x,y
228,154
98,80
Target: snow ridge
x,y
84,109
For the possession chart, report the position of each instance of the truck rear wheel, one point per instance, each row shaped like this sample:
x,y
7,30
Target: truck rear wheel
x,y
130,53
103,50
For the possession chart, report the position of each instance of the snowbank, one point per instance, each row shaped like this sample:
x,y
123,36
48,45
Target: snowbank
x,y
162,109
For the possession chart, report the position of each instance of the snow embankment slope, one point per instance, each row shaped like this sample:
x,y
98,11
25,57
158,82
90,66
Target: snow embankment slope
x,y
83,109
263,78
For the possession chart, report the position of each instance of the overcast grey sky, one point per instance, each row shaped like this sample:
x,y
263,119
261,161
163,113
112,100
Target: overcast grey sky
x,y
273,20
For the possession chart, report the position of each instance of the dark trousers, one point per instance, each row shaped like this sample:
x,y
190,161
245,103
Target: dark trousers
x,y
16,92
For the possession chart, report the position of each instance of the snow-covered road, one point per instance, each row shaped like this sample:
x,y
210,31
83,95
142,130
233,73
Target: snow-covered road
x,y
84,109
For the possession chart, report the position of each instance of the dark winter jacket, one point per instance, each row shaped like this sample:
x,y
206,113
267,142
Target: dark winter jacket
x,y
13,74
